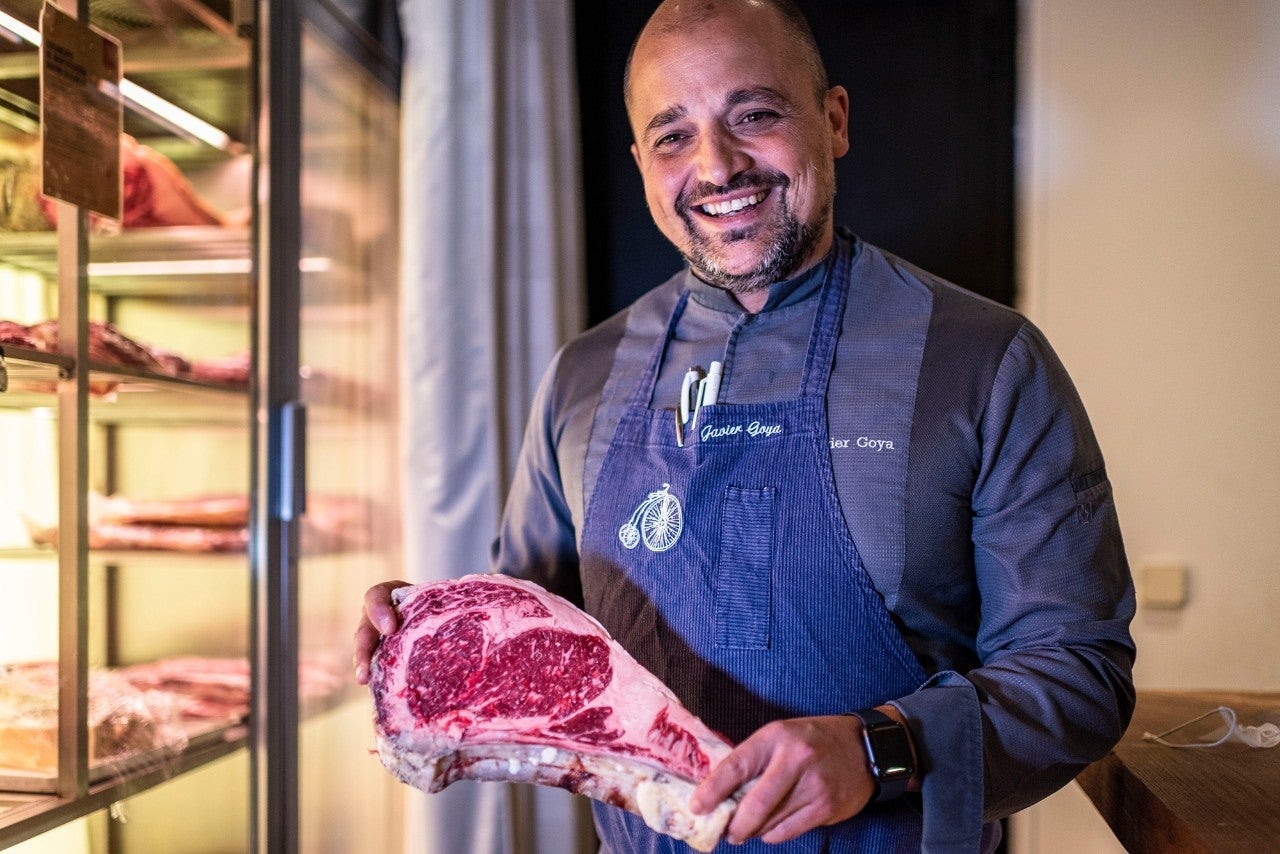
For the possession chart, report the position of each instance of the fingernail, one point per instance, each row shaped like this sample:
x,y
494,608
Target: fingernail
x,y
362,674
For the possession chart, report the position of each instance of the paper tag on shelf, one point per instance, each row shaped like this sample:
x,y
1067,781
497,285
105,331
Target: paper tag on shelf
x,y
81,114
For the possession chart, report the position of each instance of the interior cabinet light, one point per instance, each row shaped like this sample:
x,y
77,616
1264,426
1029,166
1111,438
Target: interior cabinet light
x,y
193,267
142,99
18,31
196,267
176,117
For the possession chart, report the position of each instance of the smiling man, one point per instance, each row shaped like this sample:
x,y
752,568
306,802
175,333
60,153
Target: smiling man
x,y
890,568
738,147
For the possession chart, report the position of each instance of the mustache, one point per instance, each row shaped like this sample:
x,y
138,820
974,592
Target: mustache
x,y
742,181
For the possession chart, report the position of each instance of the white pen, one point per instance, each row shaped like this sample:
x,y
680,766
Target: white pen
x,y
688,392
712,392
697,404
708,391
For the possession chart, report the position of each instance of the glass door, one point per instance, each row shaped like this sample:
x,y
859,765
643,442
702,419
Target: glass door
x,y
348,344
331,458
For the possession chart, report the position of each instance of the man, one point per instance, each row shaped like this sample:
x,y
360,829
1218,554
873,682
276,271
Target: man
x,y
885,561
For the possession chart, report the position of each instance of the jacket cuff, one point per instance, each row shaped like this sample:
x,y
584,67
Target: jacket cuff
x,y
945,722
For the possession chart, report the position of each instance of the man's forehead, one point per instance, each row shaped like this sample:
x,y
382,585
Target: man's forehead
x,y
675,102
708,67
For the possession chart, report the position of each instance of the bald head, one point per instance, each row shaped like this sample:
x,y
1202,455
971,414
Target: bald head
x,y
681,16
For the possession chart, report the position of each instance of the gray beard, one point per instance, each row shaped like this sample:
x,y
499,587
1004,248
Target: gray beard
x,y
783,257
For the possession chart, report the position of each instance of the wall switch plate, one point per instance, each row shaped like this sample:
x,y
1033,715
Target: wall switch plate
x,y
1163,585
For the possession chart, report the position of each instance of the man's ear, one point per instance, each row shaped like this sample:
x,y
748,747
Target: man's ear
x,y
635,154
837,104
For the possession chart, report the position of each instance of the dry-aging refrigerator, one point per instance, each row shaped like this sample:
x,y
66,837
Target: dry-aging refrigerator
x,y
199,455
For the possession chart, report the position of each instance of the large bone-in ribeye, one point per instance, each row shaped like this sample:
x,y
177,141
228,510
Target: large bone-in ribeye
x,y
494,678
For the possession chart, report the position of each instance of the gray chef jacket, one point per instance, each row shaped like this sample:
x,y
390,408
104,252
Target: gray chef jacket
x,y
970,480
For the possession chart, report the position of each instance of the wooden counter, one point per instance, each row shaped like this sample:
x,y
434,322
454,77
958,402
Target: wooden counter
x,y
1215,800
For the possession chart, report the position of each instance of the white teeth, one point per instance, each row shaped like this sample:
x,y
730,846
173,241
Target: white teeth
x,y
721,208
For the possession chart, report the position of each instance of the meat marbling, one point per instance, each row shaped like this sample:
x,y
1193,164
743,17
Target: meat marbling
x,y
494,678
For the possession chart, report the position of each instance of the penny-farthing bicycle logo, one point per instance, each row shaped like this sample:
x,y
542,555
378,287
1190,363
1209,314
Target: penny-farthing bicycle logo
x,y
657,522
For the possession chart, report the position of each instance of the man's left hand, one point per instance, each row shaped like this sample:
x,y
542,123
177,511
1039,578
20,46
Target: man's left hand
x,y
804,773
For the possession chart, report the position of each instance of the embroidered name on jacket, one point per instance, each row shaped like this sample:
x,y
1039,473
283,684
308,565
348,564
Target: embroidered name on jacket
x,y
754,429
864,442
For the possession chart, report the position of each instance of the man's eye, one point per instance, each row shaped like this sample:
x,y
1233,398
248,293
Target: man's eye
x,y
757,116
667,140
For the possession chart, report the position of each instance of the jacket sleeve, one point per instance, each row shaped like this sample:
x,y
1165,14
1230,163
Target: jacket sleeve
x,y
536,538
1053,690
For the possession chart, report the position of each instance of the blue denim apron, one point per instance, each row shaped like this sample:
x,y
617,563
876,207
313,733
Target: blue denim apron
x,y
725,567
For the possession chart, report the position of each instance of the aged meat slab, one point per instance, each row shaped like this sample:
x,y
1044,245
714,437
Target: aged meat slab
x,y
213,523
494,678
123,720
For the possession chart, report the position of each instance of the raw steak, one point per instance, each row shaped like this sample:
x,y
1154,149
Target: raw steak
x,y
494,678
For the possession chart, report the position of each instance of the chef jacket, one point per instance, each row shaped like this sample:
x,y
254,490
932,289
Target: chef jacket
x,y
970,480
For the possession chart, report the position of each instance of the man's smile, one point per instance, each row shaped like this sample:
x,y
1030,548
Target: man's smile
x,y
731,206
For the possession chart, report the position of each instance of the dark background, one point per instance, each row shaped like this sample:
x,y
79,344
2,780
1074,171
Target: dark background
x,y
929,175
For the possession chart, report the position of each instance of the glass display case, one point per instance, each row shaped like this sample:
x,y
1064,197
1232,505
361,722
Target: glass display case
x,y
198,413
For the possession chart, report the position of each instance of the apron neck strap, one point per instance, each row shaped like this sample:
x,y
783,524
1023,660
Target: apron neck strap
x,y
643,391
827,323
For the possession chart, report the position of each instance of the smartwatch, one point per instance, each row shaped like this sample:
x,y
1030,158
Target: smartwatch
x,y
888,752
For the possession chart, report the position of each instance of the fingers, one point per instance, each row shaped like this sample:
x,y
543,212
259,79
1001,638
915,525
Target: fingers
x,y
746,767
811,802
793,776
366,641
783,826
377,620
764,809
742,765
378,609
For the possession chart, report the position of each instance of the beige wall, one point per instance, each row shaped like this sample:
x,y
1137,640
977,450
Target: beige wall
x,y
1149,212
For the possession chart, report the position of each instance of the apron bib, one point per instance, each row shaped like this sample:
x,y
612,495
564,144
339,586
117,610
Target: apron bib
x,y
726,568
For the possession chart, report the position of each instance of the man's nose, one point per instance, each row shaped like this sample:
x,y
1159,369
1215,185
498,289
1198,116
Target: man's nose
x,y
720,157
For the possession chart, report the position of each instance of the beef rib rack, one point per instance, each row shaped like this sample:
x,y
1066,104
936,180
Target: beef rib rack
x,y
494,678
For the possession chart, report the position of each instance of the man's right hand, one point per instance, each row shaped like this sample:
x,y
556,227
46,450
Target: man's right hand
x,y
377,621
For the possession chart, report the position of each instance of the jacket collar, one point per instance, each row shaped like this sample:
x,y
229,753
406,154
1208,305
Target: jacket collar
x,y
781,294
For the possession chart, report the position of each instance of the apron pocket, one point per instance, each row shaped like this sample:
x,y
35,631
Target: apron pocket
x,y
744,568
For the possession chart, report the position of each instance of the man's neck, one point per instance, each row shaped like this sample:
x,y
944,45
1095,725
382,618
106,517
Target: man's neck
x,y
754,301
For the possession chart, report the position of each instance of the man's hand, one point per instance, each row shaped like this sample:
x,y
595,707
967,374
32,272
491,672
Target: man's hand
x,y
376,621
807,773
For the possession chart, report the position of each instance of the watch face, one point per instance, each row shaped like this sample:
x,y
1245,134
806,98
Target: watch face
x,y
890,751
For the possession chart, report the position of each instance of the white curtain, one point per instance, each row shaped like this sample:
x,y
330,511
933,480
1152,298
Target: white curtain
x,y
493,284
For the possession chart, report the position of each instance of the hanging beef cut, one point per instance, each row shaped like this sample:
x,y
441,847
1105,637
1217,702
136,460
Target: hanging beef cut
x,y
494,678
